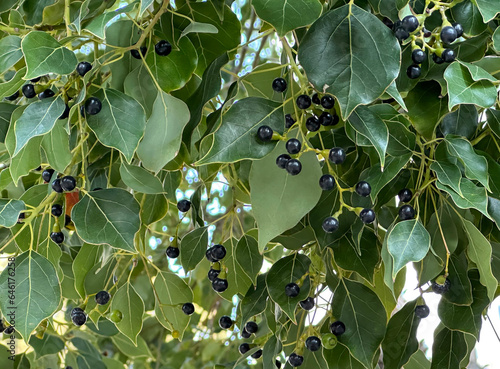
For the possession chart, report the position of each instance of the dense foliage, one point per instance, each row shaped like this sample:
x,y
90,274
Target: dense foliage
x,y
244,184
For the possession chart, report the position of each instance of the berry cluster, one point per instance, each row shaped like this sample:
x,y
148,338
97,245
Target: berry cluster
x,y
412,27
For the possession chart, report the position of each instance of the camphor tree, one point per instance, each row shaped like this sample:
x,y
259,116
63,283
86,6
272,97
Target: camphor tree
x,y
245,184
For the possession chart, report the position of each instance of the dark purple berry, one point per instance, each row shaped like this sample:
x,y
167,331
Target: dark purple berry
x,y
293,167
405,195
327,182
303,102
163,48
363,188
102,297
56,210
418,56
282,160
367,216
265,133
330,225
184,205
172,252
251,327
337,328
336,155
422,311
313,343
327,102
292,290
83,68
279,85
225,322
312,124
307,304
57,237
188,308
406,212
410,23
293,146
413,71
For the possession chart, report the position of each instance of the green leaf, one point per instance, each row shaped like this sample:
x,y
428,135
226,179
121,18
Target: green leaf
x,y
365,319
10,49
236,139
469,84
45,55
210,45
56,147
129,349
255,299
400,341
144,5
370,125
113,212
278,199
426,107
479,252
163,130
87,257
209,87
78,11
407,241
496,39
193,248
296,240
378,178
128,301
448,349
460,292
139,179
287,270
340,67
88,356
47,345
244,262
476,166
173,71
466,319
448,174
121,122
471,196
488,9
467,14
153,208
172,292
141,87
37,291
287,15
418,361
340,358
493,118
9,212
98,25
38,119
363,261
461,122
197,27
14,84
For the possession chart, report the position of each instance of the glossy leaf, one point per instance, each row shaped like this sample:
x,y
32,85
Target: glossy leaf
x,y
448,349
114,212
193,248
338,66
10,49
128,301
9,212
488,8
140,180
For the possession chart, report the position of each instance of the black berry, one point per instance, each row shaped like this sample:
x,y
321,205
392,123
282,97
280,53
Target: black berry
x,y
225,322
102,297
307,304
83,68
327,102
279,85
293,146
35,80
135,52
172,252
251,327
448,55
56,185
312,124
213,274
188,308
209,256
57,237
293,167
76,310
388,22
406,212
459,29
163,48
367,216
418,56
313,343
292,290
427,33
56,210
413,71
184,205
289,121
282,160
437,59
422,311
218,252
363,188
219,285
330,225
405,195
65,113
337,328
327,182
303,102
46,94
68,183
448,34
265,133
257,354
9,330
82,111
401,34
336,155
295,359
79,319
13,97
28,91
93,106
441,288
410,23
245,334
315,99
326,119
244,348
